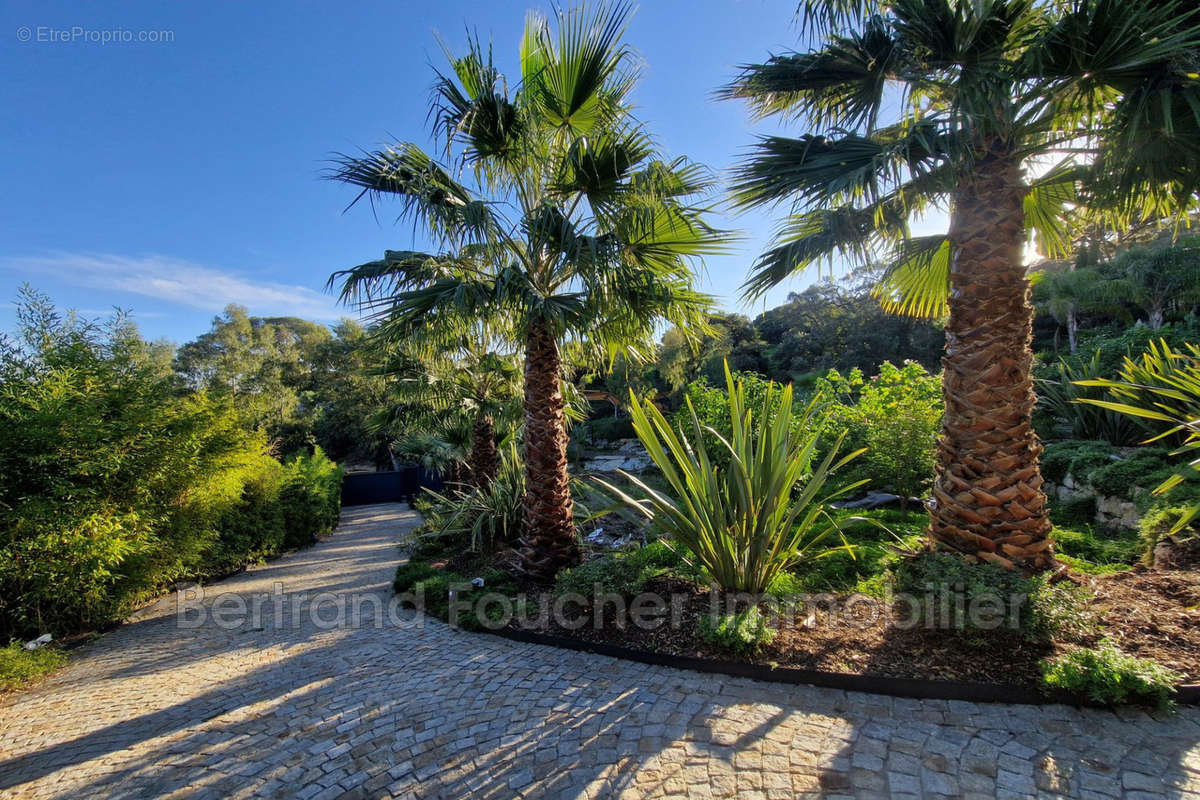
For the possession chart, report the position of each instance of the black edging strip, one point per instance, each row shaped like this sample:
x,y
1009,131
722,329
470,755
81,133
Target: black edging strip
x,y
1188,694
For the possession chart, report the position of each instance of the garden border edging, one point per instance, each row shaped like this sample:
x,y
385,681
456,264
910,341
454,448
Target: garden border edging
x,y
1186,694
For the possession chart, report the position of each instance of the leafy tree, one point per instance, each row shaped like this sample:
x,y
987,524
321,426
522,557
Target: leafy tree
x,y
962,104
839,326
113,483
683,357
348,389
895,416
267,364
569,223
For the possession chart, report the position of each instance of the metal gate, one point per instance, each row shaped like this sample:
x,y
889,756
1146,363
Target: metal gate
x,y
398,486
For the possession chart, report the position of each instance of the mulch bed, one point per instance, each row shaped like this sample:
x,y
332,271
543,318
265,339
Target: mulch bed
x,y
1149,613
1154,614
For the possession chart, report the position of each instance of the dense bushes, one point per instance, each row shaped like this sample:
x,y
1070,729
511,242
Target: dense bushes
x,y
115,482
895,415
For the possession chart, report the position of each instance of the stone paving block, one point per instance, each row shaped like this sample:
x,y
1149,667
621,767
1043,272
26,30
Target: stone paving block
x,y
150,710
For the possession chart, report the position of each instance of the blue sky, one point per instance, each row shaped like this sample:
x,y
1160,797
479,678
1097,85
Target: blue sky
x,y
172,177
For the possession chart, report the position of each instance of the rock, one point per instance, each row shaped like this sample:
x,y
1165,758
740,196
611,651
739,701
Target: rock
x,y
612,463
874,500
40,641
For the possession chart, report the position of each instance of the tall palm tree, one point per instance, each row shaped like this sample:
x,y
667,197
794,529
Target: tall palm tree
x,y
1016,116
552,208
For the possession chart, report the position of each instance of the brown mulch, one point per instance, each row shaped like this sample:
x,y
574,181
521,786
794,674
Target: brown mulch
x,y
1148,613
1154,614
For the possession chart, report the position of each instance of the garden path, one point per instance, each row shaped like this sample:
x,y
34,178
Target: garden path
x,y
296,710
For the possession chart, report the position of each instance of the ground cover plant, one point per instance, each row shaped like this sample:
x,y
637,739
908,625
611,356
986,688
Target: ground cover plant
x,y
20,667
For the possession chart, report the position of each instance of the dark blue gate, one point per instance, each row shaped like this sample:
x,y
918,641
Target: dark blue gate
x,y
398,486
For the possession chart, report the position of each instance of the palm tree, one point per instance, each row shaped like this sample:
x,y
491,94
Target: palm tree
x,y
1018,117
476,381
551,208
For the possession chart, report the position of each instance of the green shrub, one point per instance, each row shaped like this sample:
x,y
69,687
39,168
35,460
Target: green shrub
x,y
435,592
311,497
1078,510
1058,396
624,573
895,415
1076,457
1003,598
744,632
764,511
1096,544
114,484
1059,611
20,667
1110,676
1159,523
409,573
610,429
1122,478
481,519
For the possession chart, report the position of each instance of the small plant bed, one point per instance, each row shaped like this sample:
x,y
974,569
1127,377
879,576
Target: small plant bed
x,y
20,668
1137,613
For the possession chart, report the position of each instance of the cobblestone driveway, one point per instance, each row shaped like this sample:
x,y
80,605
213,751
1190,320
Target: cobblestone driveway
x,y
152,710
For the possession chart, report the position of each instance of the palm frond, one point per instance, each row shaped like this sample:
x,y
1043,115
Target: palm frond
x,y
808,238
840,86
917,282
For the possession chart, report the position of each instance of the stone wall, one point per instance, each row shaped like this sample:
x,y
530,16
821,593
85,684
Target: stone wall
x,y
1113,511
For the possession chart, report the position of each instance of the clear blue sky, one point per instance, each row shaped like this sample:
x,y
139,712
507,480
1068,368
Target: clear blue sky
x,y
173,177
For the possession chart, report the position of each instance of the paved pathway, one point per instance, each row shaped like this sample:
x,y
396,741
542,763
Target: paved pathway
x,y
296,710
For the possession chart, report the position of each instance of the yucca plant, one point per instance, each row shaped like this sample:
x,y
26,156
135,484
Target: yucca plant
x,y
763,512
1061,396
488,514
1163,386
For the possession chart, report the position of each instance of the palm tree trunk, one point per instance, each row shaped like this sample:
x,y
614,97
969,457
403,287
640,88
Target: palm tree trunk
x,y
485,461
988,499
548,543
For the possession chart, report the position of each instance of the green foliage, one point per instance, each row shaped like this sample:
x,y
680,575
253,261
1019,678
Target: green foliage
x,y
1135,471
1163,386
311,497
114,484
765,510
711,408
1160,523
483,519
1106,674
1077,458
1059,395
840,326
20,667
875,540
744,632
609,429
1078,510
949,588
410,573
1100,546
896,416
625,573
